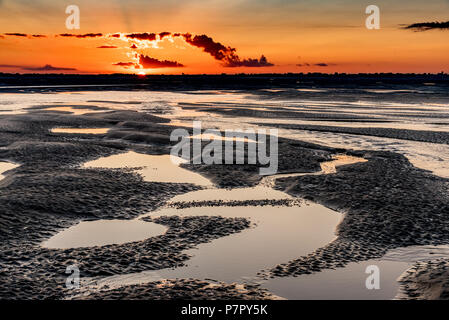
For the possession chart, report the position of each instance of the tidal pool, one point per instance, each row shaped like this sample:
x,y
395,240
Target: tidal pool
x,y
104,232
81,130
153,168
75,111
6,166
348,283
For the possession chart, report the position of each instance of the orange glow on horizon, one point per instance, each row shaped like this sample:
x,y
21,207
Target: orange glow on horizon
x,y
293,40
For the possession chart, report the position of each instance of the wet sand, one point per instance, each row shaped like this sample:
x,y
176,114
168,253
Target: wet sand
x,y
404,134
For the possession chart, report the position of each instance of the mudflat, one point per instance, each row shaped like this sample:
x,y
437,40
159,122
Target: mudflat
x,y
385,202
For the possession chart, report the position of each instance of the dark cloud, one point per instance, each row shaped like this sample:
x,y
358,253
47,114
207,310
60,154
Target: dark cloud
x,y
24,35
10,66
86,35
215,49
142,36
220,52
321,64
47,67
15,34
252,63
2,37
164,34
225,54
107,47
150,63
425,26
127,65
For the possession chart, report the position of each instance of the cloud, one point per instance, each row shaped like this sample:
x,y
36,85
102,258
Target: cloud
x,y
151,63
215,49
86,35
47,67
2,37
226,55
127,65
16,34
164,34
10,66
147,62
320,64
23,35
425,26
142,36
252,63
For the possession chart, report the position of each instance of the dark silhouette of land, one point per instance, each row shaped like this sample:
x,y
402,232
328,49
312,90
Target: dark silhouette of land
x,y
222,81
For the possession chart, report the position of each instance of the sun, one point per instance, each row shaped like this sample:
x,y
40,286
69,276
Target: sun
x,y
141,73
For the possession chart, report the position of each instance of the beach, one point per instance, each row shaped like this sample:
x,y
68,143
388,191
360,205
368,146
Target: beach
x,y
87,181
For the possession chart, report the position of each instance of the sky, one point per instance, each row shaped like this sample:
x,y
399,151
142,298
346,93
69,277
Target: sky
x,y
223,36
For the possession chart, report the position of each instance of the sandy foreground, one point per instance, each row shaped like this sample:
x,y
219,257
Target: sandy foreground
x,y
387,204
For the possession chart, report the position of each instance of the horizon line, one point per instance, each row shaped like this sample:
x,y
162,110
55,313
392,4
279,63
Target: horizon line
x,y
222,74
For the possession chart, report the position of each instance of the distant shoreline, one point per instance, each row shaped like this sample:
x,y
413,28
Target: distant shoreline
x,y
12,82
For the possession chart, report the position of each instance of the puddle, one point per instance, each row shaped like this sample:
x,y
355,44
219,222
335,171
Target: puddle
x,y
327,167
278,233
348,283
330,167
237,194
75,111
104,232
6,166
153,168
81,130
341,284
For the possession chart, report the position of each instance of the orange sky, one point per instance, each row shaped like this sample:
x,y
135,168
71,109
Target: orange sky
x,y
321,36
